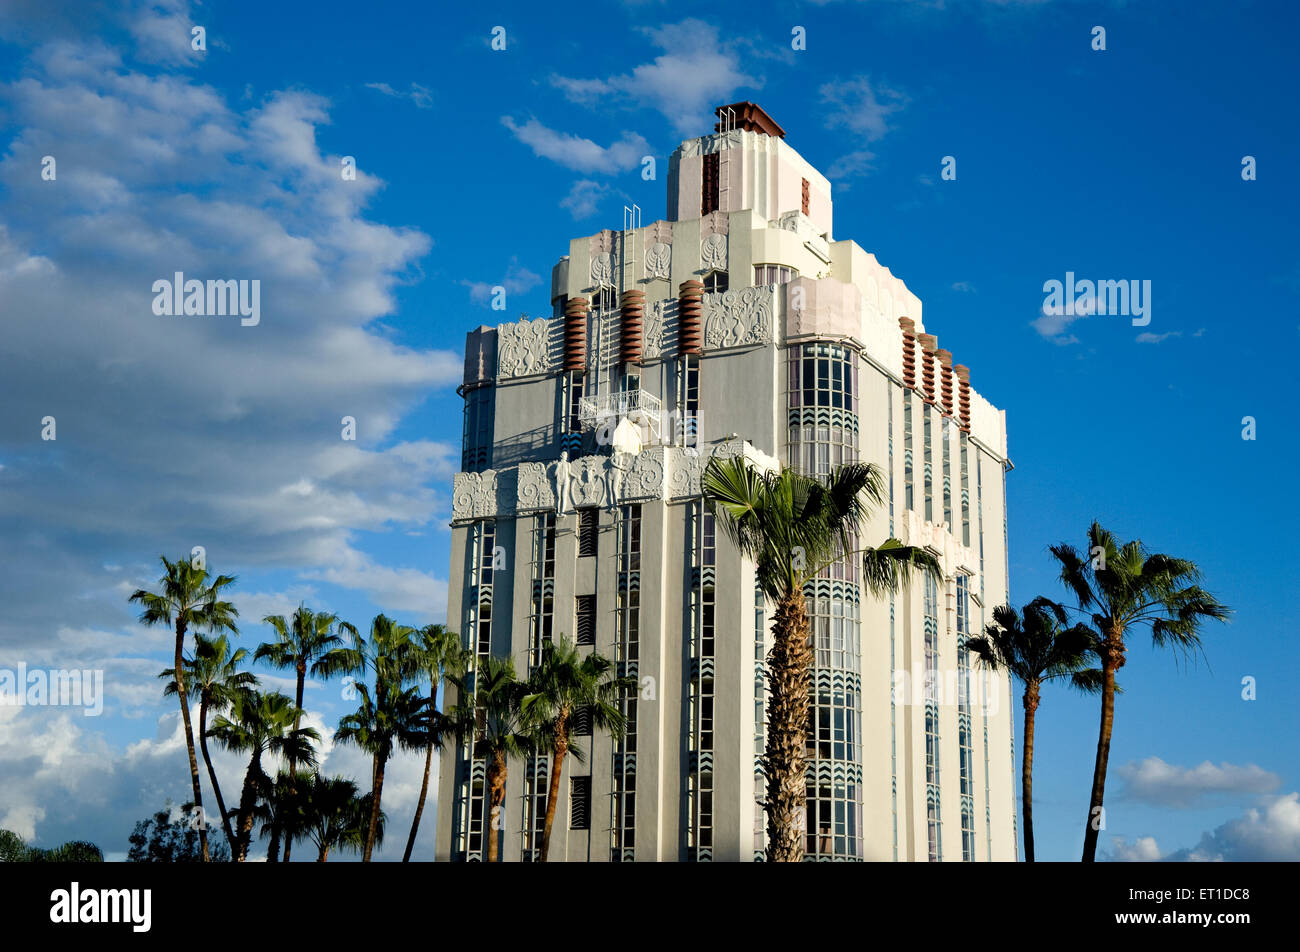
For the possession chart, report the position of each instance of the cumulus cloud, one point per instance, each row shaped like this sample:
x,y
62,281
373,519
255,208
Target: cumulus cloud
x,y
1268,833
575,152
697,70
1146,337
517,280
1166,785
180,431
1142,850
583,199
419,96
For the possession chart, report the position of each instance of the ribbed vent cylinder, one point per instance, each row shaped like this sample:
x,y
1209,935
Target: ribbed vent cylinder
x,y
909,351
928,342
963,394
690,318
575,334
633,315
945,383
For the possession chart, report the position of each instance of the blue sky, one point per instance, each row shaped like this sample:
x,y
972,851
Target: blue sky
x,y
475,168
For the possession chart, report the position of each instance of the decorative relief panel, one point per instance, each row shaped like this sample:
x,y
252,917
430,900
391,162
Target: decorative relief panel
x,y
482,495
652,335
645,479
522,348
686,465
535,492
658,260
738,318
602,270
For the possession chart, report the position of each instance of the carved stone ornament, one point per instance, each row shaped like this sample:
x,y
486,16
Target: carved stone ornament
x,y
686,466
522,348
713,253
738,318
535,492
658,260
588,484
474,495
645,480
602,270
653,335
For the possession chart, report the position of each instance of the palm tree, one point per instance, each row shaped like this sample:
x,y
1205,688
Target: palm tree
x,y
563,684
1124,587
300,644
335,816
793,526
187,599
1035,647
214,673
393,717
261,724
493,705
281,812
437,650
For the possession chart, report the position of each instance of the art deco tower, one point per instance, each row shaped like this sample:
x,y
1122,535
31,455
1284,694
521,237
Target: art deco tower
x,y
737,326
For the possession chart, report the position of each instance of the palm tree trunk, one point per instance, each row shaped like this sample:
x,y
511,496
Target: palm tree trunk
x,y
787,732
1112,659
293,767
212,774
247,801
424,785
419,805
553,793
189,735
1027,769
273,852
374,809
496,782
323,855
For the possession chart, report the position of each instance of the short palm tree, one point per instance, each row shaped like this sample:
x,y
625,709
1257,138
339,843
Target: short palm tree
x,y
1036,646
335,815
492,708
214,674
437,652
261,724
563,684
388,719
793,526
1122,587
300,645
188,598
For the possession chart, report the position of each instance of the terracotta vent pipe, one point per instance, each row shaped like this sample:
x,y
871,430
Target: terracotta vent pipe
x,y
690,309
575,335
633,308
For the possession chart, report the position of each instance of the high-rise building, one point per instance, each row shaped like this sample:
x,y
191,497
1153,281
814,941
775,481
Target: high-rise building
x,y
737,326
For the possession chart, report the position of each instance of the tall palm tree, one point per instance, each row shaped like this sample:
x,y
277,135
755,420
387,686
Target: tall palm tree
x,y
793,526
335,815
1123,587
493,705
390,718
187,598
563,684
437,651
1036,646
300,645
214,673
281,812
261,724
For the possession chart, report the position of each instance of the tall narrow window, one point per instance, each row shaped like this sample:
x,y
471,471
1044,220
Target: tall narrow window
x,y
709,189
579,803
908,480
586,618
933,827
699,782
623,827
543,608
690,399
588,531
476,432
964,747
806,196
928,472
946,449
573,398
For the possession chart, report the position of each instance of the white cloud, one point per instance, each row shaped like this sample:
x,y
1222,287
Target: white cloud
x,y
864,110
1267,834
517,280
584,198
1146,337
1167,785
577,153
420,96
697,71
1142,850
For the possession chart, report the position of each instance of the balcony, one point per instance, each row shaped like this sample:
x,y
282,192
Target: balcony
x,y
640,407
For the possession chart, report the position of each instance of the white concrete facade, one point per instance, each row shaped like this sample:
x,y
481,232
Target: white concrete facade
x,y
795,303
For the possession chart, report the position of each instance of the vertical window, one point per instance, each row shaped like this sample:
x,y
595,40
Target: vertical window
x,y
623,828
588,531
579,803
806,196
573,396
931,622
709,189
581,723
715,282
823,417
699,784
965,489
929,465
908,481
543,608
476,431
966,754
586,612
773,274
946,450
690,399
